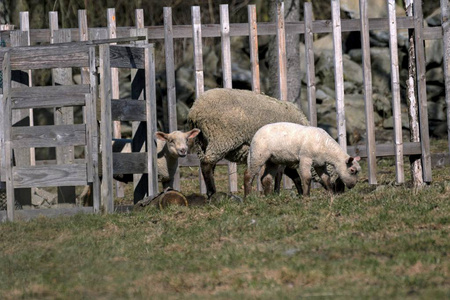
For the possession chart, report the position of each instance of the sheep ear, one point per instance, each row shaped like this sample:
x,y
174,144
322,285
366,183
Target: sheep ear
x,y
161,136
193,133
357,158
349,160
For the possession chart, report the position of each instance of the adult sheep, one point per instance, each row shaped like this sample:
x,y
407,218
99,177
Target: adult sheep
x,y
300,146
228,120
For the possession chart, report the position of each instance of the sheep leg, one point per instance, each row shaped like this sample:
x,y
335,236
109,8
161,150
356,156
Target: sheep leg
x,y
325,178
248,182
278,178
268,176
305,175
293,174
208,176
338,186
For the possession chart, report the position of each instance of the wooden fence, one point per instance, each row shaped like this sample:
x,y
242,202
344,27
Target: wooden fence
x,y
197,31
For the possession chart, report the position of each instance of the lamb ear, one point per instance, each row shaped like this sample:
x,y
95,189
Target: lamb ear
x,y
349,160
357,158
193,133
161,136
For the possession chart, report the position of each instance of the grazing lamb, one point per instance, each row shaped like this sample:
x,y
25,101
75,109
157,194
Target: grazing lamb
x,y
295,145
170,146
228,119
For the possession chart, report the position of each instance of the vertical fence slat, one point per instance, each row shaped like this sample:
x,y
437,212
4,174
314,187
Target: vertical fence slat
x,y
227,80
150,96
445,19
170,80
338,73
115,92
281,45
62,115
22,156
25,26
198,65
7,124
140,181
94,130
254,59
310,68
106,136
368,104
253,41
282,67
84,36
421,91
395,85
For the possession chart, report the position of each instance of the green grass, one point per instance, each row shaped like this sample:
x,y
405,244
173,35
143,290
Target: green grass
x,y
385,242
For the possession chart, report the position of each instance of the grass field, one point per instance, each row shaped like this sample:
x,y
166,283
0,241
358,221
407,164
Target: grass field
x,y
381,241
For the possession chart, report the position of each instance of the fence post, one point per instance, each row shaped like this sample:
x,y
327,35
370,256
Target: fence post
x,y
170,81
310,68
421,91
445,20
368,104
115,92
106,142
338,74
198,66
150,97
395,86
227,81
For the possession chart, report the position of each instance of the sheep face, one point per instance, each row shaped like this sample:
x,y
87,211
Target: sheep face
x,y
350,175
177,141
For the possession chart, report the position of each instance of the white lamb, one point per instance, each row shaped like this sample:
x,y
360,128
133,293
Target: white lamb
x,y
171,146
297,146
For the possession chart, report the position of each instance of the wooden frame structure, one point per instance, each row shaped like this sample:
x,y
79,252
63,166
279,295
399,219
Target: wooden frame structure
x,y
17,136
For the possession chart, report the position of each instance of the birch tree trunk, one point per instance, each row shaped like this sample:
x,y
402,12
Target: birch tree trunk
x,y
413,111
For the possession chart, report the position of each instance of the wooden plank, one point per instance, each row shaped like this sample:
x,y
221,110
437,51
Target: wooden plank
x,y
7,157
64,115
338,74
150,97
198,66
49,57
227,81
395,86
421,91
310,68
385,150
25,26
130,163
171,114
253,42
368,103
106,134
50,175
241,29
83,33
50,91
30,214
281,46
21,79
2,140
445,20
93,130
115,94
47,102
48,136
